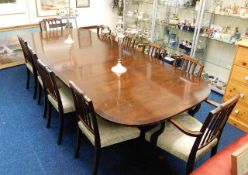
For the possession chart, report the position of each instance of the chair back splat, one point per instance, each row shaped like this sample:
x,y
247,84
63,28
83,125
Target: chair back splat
x,y
24,46
51,24
104,30
189,64
48,77
34,59
215,122
212,128
156,51
85,111
128,42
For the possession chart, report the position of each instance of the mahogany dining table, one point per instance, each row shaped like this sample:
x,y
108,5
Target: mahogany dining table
x,y
149,91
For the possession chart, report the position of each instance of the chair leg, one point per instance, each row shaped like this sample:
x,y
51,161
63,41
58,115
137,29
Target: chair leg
x,y
49,114
45,105
40,94
192,111
61,127
28,78
96,161
214,150
190,167
35,87
78,142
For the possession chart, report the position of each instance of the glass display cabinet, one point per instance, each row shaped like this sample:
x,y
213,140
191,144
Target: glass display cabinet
x,y
224,22
175,26
205,29
138,18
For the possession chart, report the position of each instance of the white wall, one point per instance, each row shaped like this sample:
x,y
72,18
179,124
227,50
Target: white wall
x,y
99,12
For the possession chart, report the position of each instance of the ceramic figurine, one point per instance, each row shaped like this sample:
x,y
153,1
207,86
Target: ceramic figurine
x,y
173,40
246,33
174,20
235,9
236,36
217,6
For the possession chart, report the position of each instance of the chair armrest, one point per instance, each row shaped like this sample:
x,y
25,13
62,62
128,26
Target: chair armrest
x,y
184,129
213,103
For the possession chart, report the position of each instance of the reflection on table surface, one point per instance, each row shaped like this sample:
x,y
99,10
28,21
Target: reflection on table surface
x,y
150,91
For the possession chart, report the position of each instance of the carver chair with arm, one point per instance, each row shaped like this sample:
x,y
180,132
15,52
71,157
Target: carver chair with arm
x,y
187,138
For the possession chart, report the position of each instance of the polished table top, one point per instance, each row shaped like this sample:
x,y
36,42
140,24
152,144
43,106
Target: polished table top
x,y
147,93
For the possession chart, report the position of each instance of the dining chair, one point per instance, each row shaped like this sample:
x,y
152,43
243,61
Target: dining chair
x,y
30,68
193,68
189,64
99,30
128,42
49,24
60,98
101,133
103,29
187,138
104,32
40,80
155,51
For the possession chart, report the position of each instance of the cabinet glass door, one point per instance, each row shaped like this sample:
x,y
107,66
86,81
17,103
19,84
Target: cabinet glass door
x,y
175,25
224,23
138,15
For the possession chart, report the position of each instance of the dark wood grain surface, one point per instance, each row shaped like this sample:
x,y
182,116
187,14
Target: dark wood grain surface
x,y
148,92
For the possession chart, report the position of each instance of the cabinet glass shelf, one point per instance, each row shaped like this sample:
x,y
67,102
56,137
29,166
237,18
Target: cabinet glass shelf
x,y
229,16
220,41
204,60
171,50
138,18
175,28
199,55
171,26
192,9
135,18
142,2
